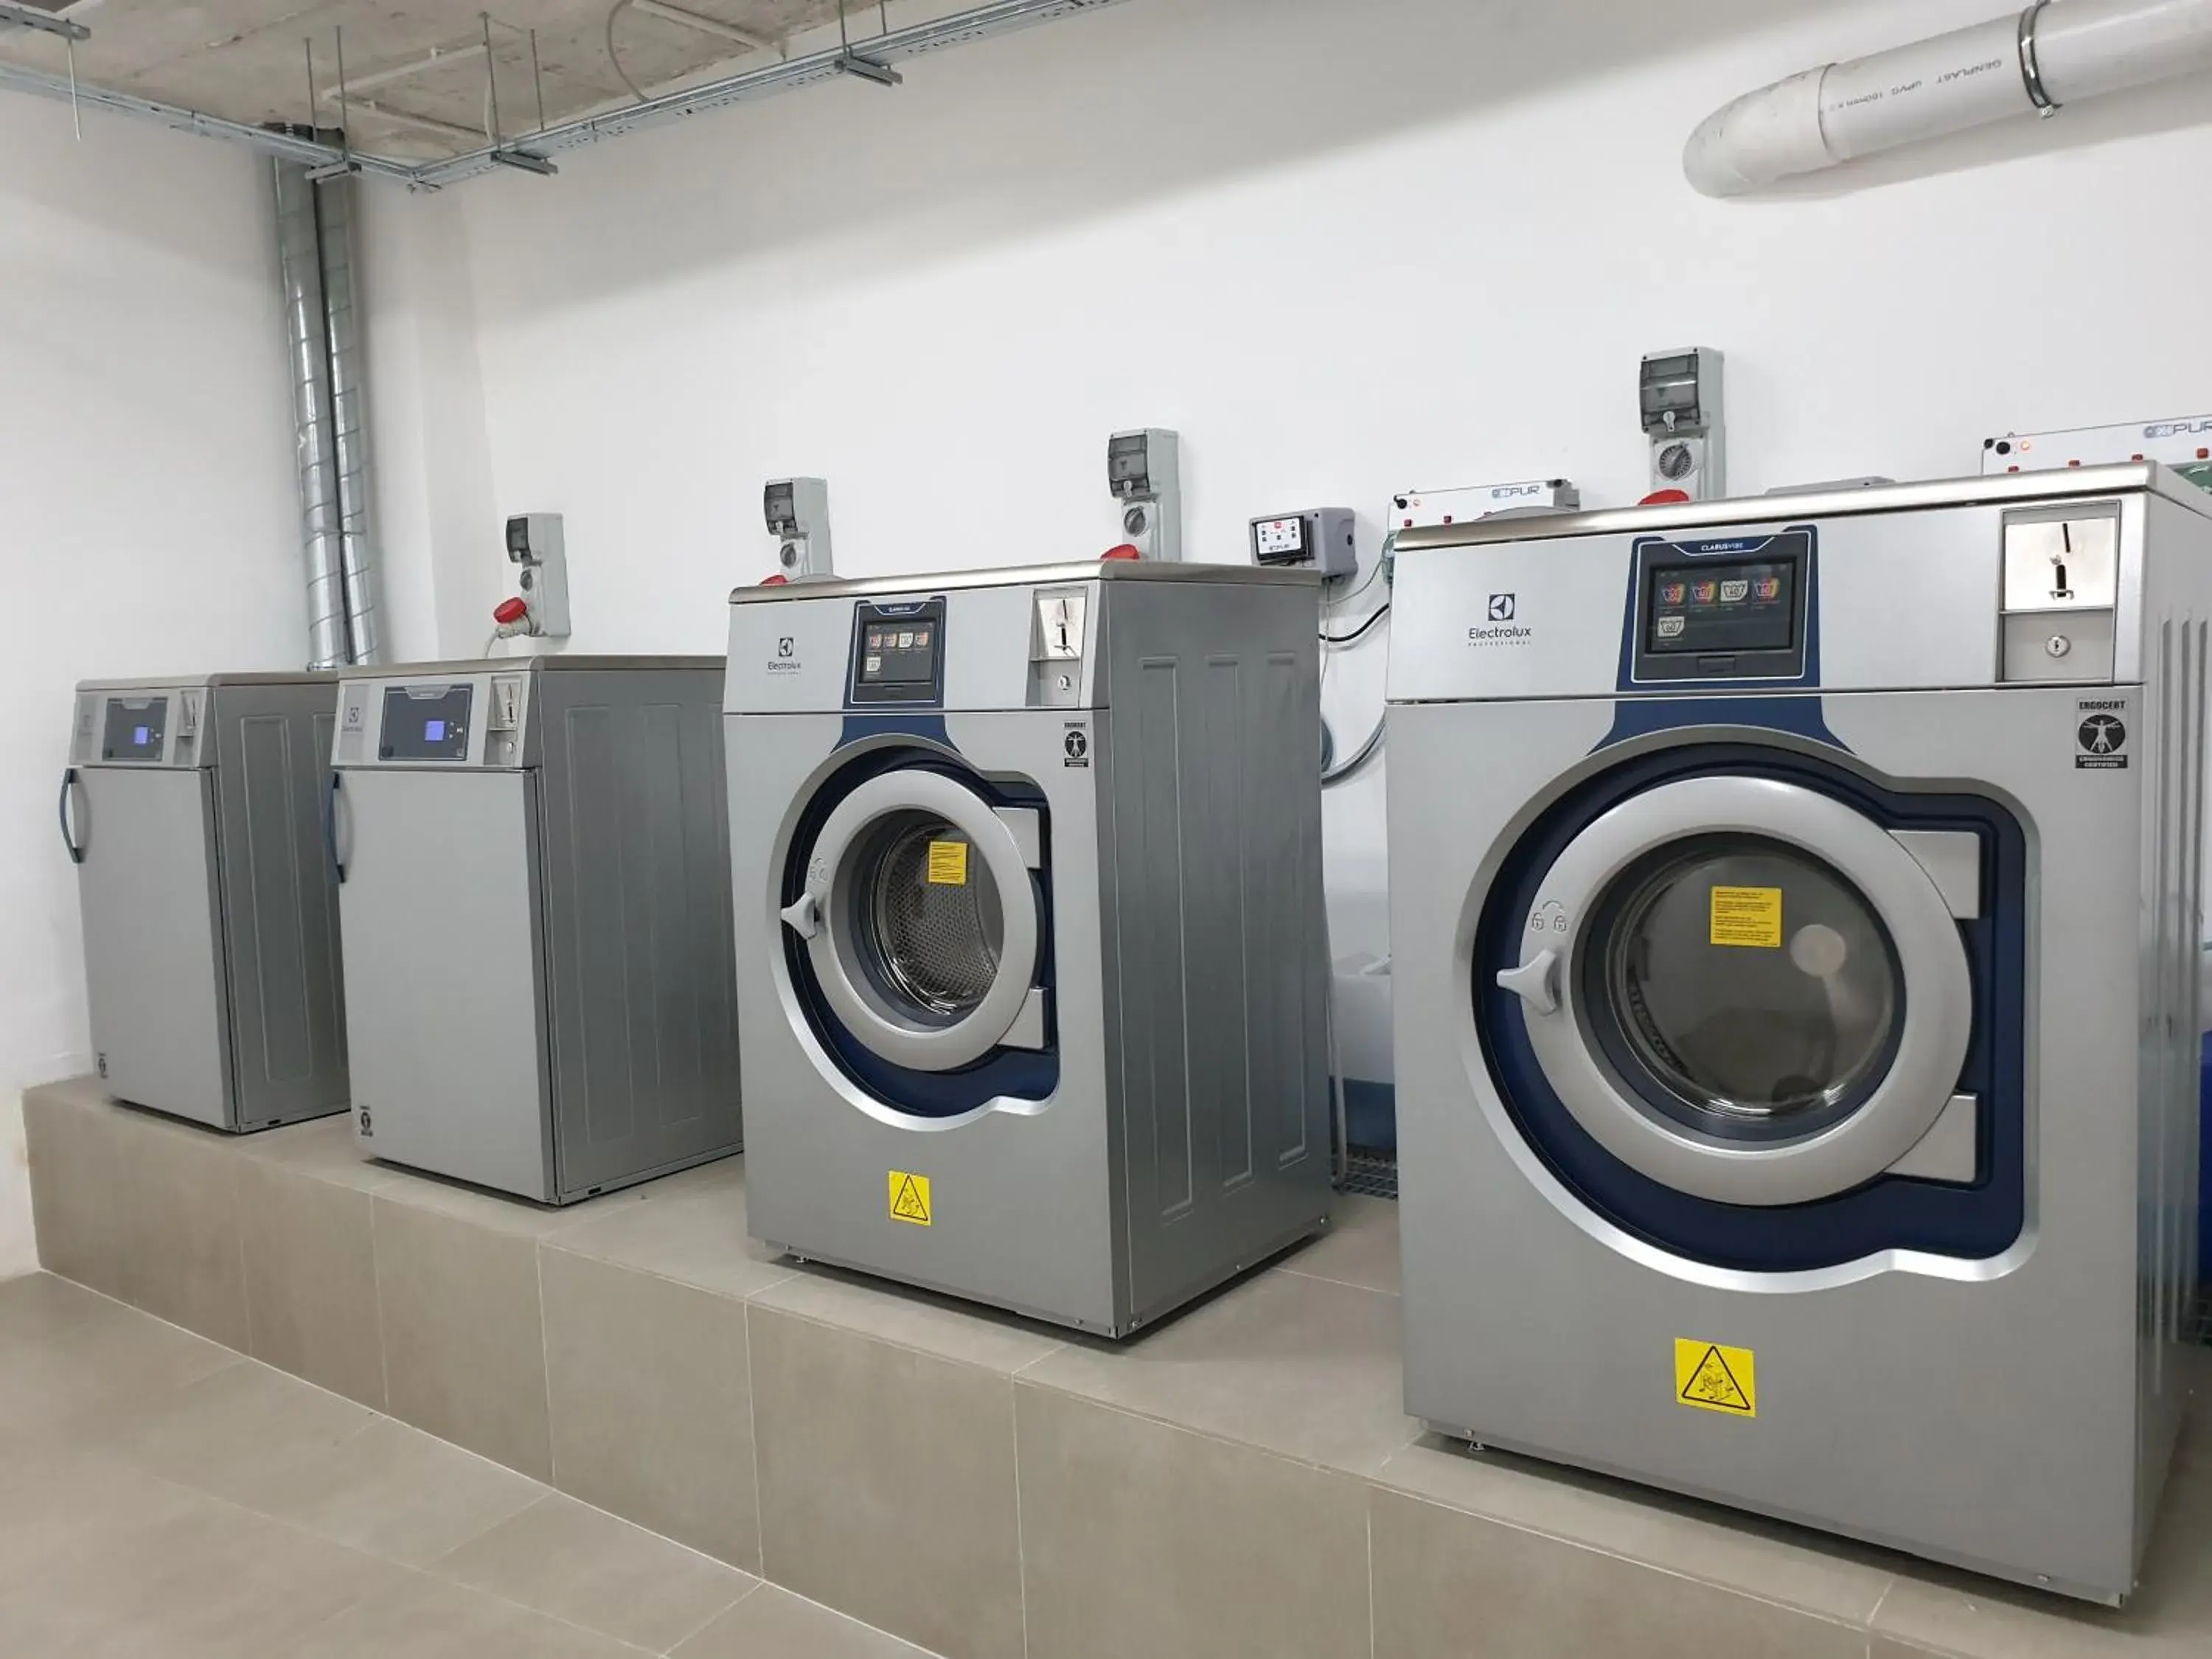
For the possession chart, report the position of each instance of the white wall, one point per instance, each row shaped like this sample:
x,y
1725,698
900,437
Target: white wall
x,y
147,516
1344,246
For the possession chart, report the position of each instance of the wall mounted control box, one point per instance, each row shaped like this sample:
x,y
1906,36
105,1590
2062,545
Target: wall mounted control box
x,y
1323,539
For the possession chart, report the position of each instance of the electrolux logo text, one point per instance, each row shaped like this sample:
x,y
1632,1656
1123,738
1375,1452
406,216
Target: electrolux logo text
x,y
785,650
1502,627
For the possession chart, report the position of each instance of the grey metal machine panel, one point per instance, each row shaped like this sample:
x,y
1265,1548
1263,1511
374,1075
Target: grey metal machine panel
x,y
445,998
273,754
153,951
1213,929
640,968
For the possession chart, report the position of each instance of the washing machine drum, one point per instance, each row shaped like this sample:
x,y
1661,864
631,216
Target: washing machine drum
x,y
921,918
1747,991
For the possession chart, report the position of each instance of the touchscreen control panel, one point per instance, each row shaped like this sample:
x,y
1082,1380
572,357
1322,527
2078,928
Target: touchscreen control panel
x,y
898,653
425,723
1723,611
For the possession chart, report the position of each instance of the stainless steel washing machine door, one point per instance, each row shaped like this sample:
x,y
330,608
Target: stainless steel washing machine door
x,y
1749,991
922,921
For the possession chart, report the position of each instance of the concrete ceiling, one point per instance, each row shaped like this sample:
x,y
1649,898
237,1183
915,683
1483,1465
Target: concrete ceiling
x,y
414,69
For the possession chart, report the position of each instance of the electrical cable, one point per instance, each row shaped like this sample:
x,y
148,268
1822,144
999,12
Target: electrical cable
x,y
614,58
1373,616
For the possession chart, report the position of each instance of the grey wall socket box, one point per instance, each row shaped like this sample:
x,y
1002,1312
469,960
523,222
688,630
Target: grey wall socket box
x,y
1143,469
193,811
535,885
798,514
537,544
1678,395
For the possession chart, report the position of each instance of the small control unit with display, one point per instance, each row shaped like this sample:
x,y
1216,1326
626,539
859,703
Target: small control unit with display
x,y
1321,538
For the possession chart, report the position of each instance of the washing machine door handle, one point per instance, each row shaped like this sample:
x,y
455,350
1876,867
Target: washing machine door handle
x,y
1536,982
802,916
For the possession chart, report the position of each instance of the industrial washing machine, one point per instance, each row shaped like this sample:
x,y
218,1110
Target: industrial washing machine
x,y
1796,909
191,808
1031,953
532,856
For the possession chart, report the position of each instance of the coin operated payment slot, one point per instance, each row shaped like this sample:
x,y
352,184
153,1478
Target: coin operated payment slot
x,y
1144,471
1058,646
2062,578
1678,395
539,609
798,514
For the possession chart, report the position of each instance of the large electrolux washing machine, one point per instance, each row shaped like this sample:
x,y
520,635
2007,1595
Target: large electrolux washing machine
x,y
1796,908
533,861
191,808
1030,950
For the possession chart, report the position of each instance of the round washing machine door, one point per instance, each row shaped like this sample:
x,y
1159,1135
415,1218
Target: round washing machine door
x,y
1746,990
922,920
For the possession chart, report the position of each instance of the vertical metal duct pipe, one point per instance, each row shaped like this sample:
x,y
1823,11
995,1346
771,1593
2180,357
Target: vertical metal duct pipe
x,y
334,203
307,362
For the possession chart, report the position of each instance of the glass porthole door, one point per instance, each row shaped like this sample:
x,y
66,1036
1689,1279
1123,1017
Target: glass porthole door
x,y
1746,990
920,920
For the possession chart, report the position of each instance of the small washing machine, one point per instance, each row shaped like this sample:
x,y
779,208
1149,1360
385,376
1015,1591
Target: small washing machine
x,y
1795,907
532,860
1032,963
191,808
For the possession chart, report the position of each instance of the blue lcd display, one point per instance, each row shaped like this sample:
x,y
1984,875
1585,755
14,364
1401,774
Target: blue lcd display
x,y
434,731
138,736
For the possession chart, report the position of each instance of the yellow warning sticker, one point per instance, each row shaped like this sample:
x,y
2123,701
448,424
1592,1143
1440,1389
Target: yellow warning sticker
x,y
948,864
1746,915
1715,1379
910,1198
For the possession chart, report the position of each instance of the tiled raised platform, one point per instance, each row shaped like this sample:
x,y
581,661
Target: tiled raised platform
x,y
1241,1481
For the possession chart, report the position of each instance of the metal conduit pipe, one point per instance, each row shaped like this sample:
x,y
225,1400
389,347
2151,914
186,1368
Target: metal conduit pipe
x,y
2049,55
335,207
307,362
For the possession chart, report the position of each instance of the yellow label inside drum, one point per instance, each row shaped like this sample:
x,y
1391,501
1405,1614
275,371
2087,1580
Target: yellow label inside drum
x,y
948,865
1741,915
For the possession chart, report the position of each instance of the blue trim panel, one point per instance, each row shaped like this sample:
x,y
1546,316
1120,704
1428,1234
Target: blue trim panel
x,y
1021,1073
1890,1212
1799,716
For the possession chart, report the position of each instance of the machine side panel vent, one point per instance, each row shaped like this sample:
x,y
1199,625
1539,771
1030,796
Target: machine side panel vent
x,y
637,901
279,906
1215,844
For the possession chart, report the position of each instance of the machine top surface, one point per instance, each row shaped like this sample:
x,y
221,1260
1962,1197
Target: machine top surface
x,y
191,682
2002,488
1025,575
550,663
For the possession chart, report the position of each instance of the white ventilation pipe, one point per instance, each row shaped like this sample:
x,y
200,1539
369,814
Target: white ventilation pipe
x,y
2054,54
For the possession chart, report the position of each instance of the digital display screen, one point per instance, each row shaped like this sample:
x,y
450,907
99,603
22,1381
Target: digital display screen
x,y
1723,607
425,722
898,652
136,729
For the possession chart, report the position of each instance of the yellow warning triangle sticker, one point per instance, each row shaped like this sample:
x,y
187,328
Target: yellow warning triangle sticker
x,y
1715,1379
910,1198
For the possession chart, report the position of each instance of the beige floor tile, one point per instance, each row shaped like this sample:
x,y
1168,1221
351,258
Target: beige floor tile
x,y
113,1354
1449,1582
652,1405
389,1490
1138,1538
121,1564
913,1319
463,1342
429,1618
323,1147
212,1434
1360,1247
887,1485
74,1187
570,1560
311,1278
39,1304
519,1217
1291,1365
2169,1613
1770,1559
774,1624
177,1184
690,1227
